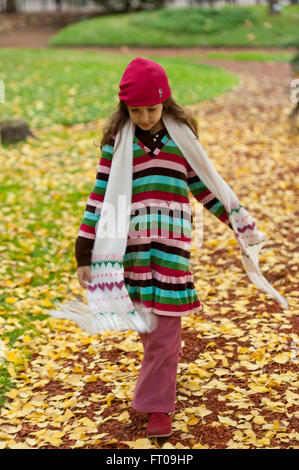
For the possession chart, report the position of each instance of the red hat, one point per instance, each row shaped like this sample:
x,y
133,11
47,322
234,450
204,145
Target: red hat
x,y
144,83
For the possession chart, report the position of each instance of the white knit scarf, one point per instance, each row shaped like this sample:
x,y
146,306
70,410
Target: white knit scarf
x,y
109,305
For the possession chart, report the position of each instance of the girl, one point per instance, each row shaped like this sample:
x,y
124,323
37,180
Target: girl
x,y
155,261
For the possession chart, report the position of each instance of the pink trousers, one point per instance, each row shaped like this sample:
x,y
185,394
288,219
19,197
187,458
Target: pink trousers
x,y
156,385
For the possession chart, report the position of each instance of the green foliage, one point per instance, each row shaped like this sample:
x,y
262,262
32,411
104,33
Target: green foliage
x,y
196,20
185,27
252,55
295,59
5,382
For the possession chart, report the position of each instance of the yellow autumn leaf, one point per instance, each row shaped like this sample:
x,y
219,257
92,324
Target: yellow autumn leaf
x,y
282,358
243,350
79,435
91,351
40,433
225,310
202,411
11,300
192,420
258,355
26,339
277,426
258,388
20,445
89,424
31,442
264,441
224,362
11,356
91,378
59,418
123,416
86,341
112,441
12,394
47,303
201,372
74,380
36,309
99,436
140,444
58,434
168,445
292,397
109,399
10,429
199,446
78,369
55,441
259,420
227,420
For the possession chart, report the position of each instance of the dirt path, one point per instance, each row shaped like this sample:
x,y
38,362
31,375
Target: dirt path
x,y
36,37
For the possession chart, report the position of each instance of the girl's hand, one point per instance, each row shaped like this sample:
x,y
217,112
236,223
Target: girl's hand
x,y
84,275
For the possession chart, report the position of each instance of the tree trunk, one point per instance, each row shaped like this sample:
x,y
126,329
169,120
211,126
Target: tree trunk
x,y
274,7
11,6
58,5
14,130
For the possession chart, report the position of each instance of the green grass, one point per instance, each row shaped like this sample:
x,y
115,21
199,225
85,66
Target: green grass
x,y
253,55
47,87
5,382
182,27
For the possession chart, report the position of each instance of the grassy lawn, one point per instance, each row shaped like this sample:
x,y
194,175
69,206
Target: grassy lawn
x,y
194,26
47,87
253,55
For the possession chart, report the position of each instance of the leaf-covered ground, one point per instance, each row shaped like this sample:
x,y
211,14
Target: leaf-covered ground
x,y
237,384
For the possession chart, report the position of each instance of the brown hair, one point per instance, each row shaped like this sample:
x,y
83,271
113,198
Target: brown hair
x,y
121,114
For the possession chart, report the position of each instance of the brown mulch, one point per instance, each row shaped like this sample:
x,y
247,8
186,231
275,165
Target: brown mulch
x,y
36,37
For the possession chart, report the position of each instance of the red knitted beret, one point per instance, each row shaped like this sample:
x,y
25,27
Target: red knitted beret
x,y
144,83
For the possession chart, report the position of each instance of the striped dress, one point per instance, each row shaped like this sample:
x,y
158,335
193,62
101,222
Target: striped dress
x,y
157,258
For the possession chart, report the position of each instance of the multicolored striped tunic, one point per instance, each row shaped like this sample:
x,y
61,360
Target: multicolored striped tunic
x,y
157,258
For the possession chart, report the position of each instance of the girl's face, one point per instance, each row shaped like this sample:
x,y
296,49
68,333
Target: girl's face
x,y
146,117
